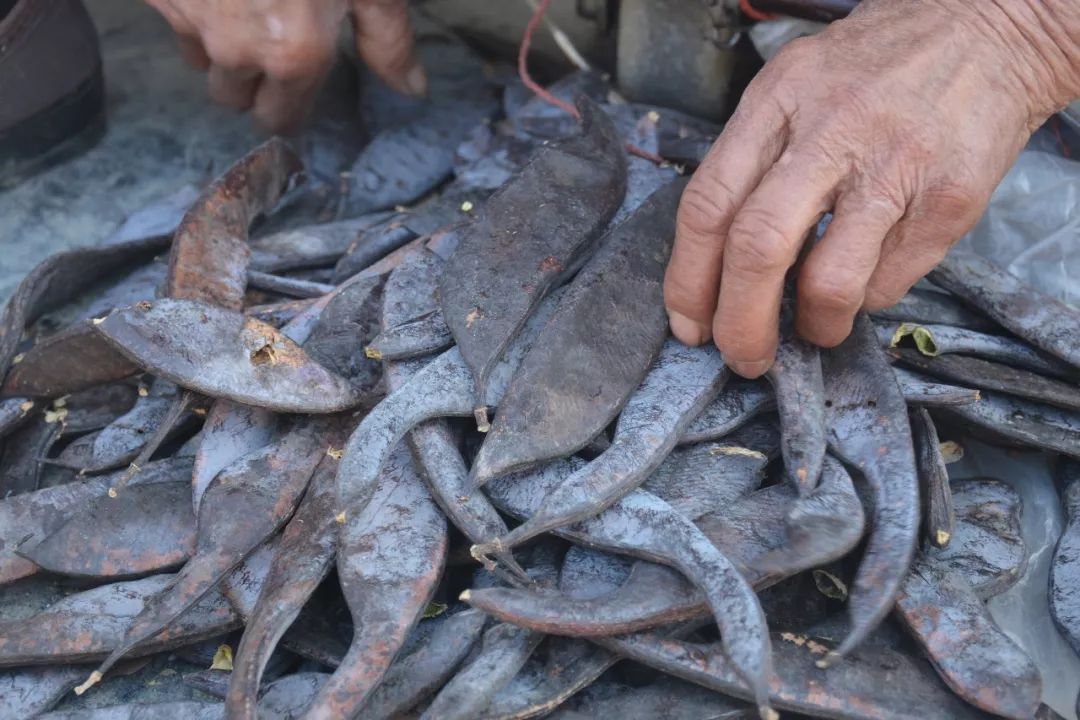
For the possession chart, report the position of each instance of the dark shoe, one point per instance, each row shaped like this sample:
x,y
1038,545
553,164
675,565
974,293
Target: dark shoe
x,y
52,90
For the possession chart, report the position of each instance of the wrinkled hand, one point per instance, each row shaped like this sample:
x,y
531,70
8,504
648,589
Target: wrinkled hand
x,y
271,55
901,120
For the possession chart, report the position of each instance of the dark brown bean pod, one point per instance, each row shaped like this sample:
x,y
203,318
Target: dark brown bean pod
x,y
1065,569
869,430
541,686
244,584
214,683
210,253
800,399
653,595
310,246
761,435
416,676
936,492
27,692
592,356
1040,319
230,431
74,359
644,525
120,442
317,635
667,698
1020,421
435,449
24,453
748,531
504,651
639,127
287,286
281,313
402,164
60,278
86,626
971,654
301,560
933,340
223,354
673,393
372,244
349,321
738,403
244,505
993,376
741,401
444,387
33,516
534,230
287,697
700,479
119,289
175,710
1045,712
920,390
147,529
448,209
824,525
13,413
391,555
987,549
413,338
97,407
853,690
932,306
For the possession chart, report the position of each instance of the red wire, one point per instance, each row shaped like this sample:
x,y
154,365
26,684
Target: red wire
x,y
539,90
753,13
523,63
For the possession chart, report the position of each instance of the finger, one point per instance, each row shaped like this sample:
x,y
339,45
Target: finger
x,y
751,142
912,249
281,105
934,221
762,244
832,280
384,40
193,52
232,88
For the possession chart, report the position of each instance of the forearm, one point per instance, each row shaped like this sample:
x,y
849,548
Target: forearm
x,y
1044,37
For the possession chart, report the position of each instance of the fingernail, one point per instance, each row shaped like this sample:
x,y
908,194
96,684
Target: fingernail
x,y
689,331
416,81
749,369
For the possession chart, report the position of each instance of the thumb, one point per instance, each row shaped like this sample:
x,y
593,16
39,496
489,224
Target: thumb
x,y
384,40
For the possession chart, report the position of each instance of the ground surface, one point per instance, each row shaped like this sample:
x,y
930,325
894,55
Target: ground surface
x,y
163,133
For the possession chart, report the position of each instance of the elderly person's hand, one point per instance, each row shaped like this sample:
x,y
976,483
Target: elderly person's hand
x,y
901,120
271,55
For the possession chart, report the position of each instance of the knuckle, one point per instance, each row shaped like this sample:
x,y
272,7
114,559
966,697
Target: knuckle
x,y
295,58
685,299
224,54
795,53
881,298
956,204
829,292
756,244
704,206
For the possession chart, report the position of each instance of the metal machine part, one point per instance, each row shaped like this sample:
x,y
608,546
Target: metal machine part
x,y
675,53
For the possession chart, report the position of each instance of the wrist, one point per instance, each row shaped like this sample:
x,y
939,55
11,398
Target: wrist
x,y
1040,41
